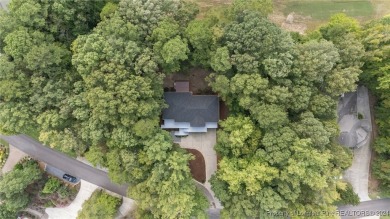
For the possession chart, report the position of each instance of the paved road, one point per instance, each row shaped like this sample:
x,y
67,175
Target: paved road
x,y
368,208
3,4
59,174
63,162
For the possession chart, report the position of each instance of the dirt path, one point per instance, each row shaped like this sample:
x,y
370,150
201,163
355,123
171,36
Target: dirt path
x,y
373,183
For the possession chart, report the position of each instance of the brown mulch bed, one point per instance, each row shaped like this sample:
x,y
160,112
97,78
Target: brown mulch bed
x,y
197,166
40,201
223,110
196,77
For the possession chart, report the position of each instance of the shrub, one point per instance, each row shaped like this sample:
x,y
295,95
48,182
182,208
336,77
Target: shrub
x,y
51,186
100,205
63,192
348,196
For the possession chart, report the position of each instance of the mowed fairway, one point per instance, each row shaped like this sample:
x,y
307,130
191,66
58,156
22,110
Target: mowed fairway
x,y
324,9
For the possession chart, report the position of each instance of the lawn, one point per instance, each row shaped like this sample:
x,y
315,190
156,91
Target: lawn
x,y
314,12
324,9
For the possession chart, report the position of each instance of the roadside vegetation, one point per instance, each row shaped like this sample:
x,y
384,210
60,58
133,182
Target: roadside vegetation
x,y
100,205
14,186
92,85
4,151
28,186
376,76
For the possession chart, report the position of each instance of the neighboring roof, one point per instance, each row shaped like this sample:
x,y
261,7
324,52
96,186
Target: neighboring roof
x,y
348,139
197,110
182,86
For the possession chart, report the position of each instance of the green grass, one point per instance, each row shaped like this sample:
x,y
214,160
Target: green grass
x,y
324,9
5,143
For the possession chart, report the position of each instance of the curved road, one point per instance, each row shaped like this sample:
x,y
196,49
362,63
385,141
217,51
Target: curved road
x,y
100,178
61,161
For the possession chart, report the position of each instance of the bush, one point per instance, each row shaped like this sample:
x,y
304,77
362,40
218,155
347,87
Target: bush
x,y
100,205
49,204
63,192
51,186
348,196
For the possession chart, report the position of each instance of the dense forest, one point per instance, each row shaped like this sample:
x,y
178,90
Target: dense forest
x,y
87,79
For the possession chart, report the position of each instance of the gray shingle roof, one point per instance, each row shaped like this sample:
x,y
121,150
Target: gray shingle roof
x,y
197,110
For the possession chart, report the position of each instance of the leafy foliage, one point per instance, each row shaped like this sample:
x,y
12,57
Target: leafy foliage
x,y
95,89
13,185
375,75
51,186
282,97
348,196
99,205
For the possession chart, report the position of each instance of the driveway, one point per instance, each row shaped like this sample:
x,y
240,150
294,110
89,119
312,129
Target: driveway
x,y
14,156
71,211
65,163
204,143
128,205
358,173
4,3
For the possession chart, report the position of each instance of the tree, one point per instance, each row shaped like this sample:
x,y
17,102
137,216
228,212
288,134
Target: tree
x,y
238,137
220,60
240,182
13,185
108,10
269,116
169,190
51,186
64,19
322,106
286,90
248,88
348,196
251,39
375,40
276,145
300,97
310,127
339,25
315,60
99,205
341,81
146,14
200,36
173,52
262,6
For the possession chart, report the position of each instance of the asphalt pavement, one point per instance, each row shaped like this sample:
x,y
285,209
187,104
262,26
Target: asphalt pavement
x,y
3,4
67,164
379,207
59,174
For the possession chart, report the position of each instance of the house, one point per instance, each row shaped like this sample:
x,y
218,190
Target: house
x,y
188,113
354,119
